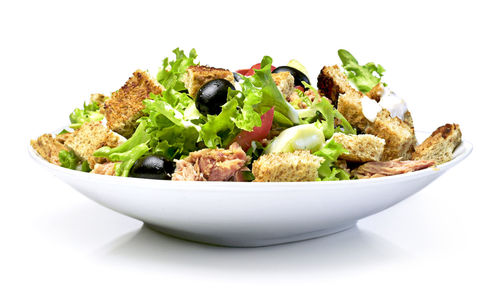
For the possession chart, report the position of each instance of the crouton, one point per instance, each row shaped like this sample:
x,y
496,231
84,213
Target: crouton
x,y
197,76
399,138
439,146
285,83
63,137
332,82
287,167
89,138
48,148
376,92
125,105
362,148
350,106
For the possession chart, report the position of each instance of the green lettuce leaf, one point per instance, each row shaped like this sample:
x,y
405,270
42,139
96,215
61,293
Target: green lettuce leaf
x,y
261,84
129,151
89,113
246,117
220,129
171,72
173,124
328,115
328,171
68,159
85,166
361,76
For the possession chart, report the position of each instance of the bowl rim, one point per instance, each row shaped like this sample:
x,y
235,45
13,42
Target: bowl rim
x,y
461,152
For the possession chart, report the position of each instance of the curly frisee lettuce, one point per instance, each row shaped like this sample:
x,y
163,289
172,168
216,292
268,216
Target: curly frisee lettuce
x,y
171,72
328,171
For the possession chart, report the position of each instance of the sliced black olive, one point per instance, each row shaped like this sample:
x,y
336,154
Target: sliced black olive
x,y
212,96
237,77
298,76
153,167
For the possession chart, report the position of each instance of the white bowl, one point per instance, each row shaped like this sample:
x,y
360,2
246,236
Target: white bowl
x,y
250,214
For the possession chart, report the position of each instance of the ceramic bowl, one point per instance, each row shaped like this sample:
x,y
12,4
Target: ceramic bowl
x,y
250,214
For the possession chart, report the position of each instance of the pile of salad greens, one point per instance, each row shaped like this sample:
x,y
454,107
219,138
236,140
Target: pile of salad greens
x,y
173,127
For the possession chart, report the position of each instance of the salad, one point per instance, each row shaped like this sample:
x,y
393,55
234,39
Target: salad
x,y
264,123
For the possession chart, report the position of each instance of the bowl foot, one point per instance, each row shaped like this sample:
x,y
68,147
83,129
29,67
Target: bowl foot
x,y
247,243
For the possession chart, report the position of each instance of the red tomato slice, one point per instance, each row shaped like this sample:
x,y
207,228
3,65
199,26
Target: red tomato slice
x,y
243,72
250,71
300,88
257,66
245,138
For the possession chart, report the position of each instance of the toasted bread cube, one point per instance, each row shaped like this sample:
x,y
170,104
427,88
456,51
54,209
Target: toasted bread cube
x,y
125,105
350,106
399,138
332,82
285,83
376,92
62,137
197,76
89,138
48,148
439,146
287,167
362,148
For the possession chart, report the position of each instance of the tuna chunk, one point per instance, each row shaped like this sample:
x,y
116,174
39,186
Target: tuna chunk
x,y
211,165
380,169
107,168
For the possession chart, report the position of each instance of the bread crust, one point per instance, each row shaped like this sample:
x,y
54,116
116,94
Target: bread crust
x,y
126,104
332,82
285,83
48,148
439,146
197,76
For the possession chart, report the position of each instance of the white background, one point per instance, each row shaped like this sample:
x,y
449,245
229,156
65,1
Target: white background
x,y
442,57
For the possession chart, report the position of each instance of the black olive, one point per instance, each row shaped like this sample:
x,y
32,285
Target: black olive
x,y
212,96
298,76
153,167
